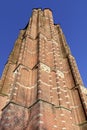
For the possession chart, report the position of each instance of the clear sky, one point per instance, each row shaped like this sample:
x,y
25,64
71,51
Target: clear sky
x,y
70,14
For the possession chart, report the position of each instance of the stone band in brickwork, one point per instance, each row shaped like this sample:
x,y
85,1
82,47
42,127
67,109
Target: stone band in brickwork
x,y
41,88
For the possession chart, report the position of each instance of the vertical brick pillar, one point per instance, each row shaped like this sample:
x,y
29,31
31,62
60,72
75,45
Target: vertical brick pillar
x,y
41,88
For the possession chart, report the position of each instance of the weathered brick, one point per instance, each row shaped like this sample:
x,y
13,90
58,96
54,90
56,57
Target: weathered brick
x,y
41,88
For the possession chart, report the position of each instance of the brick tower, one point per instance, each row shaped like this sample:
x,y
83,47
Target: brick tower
x,y
41,88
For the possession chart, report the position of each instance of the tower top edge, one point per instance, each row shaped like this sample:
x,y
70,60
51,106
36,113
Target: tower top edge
x,y
40,9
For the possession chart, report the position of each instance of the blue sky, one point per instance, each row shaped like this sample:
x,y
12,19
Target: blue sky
x,y
70,14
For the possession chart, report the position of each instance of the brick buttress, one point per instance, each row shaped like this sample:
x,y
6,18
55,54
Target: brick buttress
x,y
41,87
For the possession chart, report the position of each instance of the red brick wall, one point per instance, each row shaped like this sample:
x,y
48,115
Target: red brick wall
x,y
41,81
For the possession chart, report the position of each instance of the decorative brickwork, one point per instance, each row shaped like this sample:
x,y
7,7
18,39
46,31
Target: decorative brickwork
x,y
41,87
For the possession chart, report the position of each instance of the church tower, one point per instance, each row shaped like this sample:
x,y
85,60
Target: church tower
x,y
41,87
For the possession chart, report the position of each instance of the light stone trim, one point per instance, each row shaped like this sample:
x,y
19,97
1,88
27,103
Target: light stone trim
x,y
63,121
45,67
14,94
55,126
39,91
64,128
60,73
32,52
42,36
55,42
63,90
15,88
70,117
44,83
66,71
61,114
9,94
84,90
41,122
60,99
54,88
49,53
40,114
51,40
29,87
67,102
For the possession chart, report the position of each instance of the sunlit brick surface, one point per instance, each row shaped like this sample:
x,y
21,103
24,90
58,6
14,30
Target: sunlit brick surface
x,y
41,87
